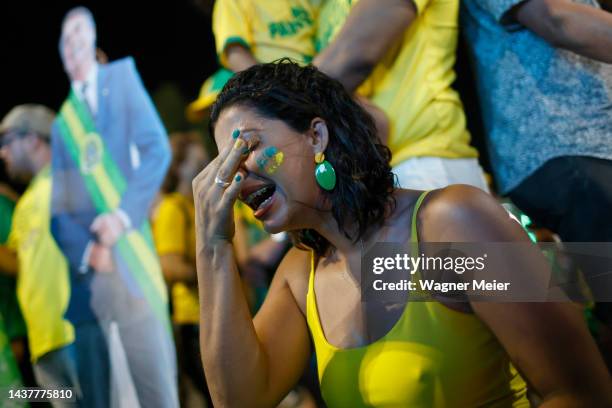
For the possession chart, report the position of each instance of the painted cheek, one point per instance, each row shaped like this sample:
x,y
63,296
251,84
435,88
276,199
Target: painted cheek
x,y
262,162
270,160
277,160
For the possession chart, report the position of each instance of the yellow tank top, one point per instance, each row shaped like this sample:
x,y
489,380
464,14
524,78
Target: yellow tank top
x,y
432,357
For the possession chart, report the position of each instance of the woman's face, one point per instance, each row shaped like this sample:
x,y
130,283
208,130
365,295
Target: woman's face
x,y
279,183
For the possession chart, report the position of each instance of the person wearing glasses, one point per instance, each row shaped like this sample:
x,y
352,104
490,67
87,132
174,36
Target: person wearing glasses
x,y
43,285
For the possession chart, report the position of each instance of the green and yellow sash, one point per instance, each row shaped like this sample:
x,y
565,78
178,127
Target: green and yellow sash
x,y
106,185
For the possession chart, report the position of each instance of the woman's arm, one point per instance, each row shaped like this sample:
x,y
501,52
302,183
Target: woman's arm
x,y
548,342
247,363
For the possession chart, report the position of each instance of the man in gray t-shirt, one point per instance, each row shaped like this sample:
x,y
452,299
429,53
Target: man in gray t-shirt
x,y
544,76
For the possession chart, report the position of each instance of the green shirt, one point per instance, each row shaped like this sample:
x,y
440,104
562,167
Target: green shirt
x,y
9,308
11,322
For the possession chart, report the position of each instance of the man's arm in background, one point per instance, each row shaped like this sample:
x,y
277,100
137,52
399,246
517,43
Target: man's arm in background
x,y
232,35
371,29
238,57
580,28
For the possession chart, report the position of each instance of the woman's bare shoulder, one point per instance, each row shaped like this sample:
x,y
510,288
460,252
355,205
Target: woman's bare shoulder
x,y
294,271
462,213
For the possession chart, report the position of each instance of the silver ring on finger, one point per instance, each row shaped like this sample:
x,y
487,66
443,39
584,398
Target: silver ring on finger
x,y
221,183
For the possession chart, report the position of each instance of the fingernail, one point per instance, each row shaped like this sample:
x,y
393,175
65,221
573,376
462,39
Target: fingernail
x,y
239,143
238,178
235,134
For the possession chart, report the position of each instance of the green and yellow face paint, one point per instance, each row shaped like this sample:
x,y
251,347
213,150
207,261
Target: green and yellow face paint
x,y
270,159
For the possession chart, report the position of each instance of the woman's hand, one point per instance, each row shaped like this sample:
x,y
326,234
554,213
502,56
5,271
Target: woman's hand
x,y
252,363
215,191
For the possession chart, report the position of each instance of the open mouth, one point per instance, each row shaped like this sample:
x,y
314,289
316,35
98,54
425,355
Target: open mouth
x,y
260,198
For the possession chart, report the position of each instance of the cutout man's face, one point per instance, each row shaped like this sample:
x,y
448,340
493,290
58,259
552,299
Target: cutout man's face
x,y
78,46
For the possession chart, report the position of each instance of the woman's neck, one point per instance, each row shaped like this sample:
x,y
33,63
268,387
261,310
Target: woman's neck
x,y
328,228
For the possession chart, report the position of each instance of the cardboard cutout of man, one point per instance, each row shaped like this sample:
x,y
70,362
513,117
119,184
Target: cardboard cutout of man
x,y
110,155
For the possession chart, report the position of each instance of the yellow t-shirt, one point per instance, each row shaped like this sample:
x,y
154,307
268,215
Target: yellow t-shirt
x,y
174,233
43,283
412,84
271,29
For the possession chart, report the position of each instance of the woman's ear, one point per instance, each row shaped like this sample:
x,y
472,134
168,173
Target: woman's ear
x,y
319,135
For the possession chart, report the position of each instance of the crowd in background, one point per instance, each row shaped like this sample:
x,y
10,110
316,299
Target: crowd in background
x,y
70,285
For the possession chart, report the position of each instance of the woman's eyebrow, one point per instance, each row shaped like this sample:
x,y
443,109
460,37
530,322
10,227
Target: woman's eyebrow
x,y
252,136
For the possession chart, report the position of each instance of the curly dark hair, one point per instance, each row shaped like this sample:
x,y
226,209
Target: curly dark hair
x,y
295,94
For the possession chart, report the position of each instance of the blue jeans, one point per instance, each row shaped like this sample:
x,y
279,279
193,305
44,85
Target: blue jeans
x,y
58,369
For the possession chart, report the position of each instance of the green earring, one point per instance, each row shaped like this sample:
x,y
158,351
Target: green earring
x,y
324,172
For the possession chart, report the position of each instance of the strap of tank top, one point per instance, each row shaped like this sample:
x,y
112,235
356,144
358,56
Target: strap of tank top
x,y
312,270
414,235
414,247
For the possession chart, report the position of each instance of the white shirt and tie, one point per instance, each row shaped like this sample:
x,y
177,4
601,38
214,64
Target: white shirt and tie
x,y
87,90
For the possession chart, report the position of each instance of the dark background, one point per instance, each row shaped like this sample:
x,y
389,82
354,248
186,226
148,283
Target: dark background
x,y
171,42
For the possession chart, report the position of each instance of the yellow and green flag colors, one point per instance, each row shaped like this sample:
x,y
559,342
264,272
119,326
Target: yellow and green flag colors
x,y
106,185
